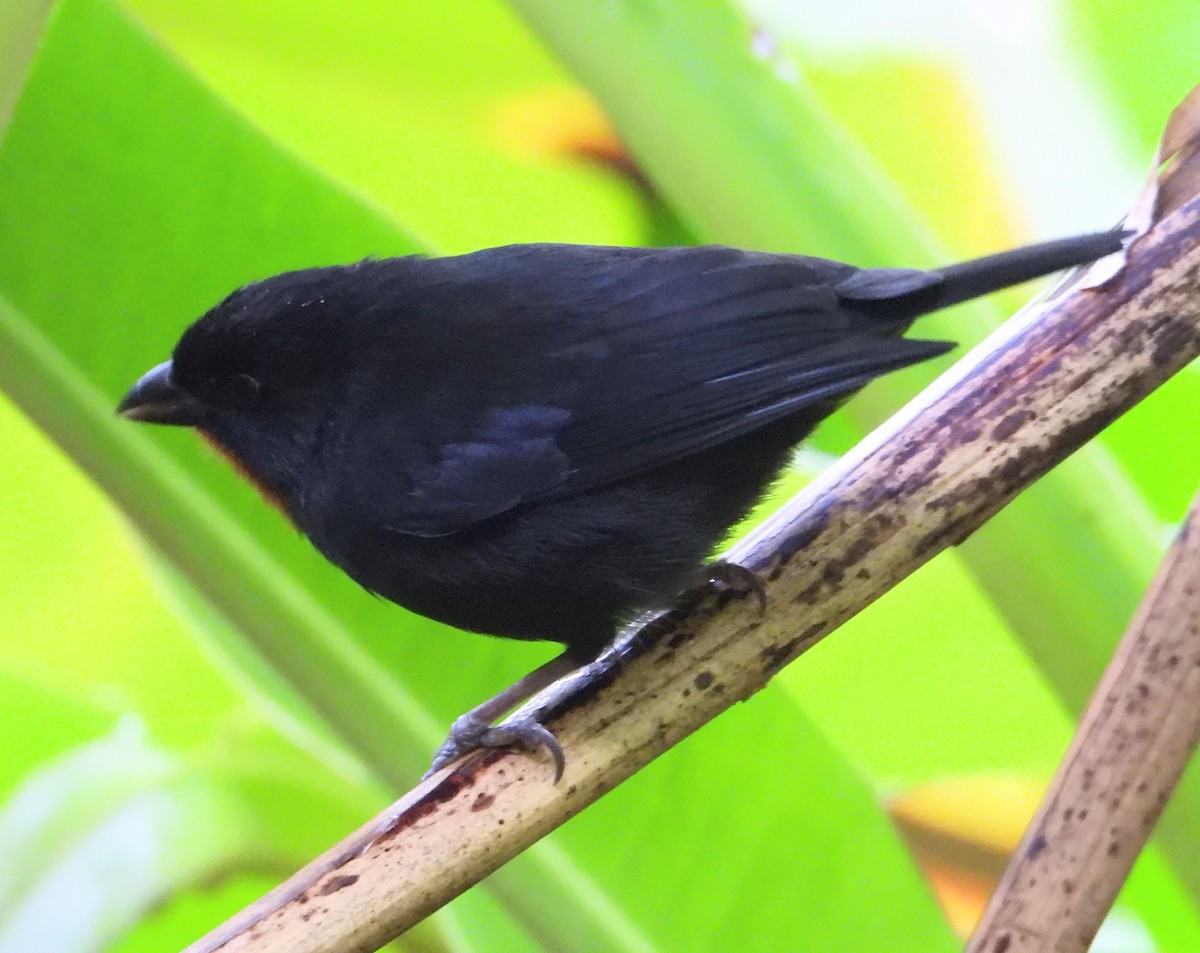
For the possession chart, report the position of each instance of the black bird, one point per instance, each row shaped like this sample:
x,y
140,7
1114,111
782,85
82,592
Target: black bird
x,y
540,441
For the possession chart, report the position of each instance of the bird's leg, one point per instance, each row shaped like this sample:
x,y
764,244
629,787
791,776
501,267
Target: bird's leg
x,y
739,579
475,729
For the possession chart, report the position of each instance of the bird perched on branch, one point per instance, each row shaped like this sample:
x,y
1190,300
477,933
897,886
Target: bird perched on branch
x,y
540,441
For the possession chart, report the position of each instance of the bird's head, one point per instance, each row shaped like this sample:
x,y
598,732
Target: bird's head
x,y
260,374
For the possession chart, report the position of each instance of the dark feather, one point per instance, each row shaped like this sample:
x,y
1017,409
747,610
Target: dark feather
x,y
680,350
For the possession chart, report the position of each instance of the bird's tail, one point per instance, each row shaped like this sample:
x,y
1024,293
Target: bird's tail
x,y
971,279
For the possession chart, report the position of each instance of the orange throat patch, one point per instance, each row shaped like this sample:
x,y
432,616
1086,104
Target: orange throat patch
x,y
240,468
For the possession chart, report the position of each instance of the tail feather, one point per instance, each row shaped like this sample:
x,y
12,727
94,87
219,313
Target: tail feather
x,y
971,279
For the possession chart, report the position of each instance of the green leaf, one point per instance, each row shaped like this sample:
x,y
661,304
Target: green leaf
x,y
462,126
21,24
110,830
763,832
100,836
1143,56
114,308
80,618
39,723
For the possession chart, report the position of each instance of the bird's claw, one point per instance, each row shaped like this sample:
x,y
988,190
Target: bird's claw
x,y
739,579
469,734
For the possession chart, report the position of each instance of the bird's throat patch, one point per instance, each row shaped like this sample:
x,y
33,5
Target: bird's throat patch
x,y
241,469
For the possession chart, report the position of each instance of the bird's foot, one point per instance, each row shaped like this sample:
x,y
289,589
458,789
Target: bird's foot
x,y
470,733
476,730
739,579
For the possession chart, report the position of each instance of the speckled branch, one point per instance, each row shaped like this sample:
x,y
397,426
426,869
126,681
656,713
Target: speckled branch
x,y
1133,743
1048,381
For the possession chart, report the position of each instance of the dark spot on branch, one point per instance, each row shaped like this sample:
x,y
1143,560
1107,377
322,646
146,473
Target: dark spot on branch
x,y
1011,472
1011,424
483,801
448,789
777,656
951,533
340,882
810,595
969,493
1175,337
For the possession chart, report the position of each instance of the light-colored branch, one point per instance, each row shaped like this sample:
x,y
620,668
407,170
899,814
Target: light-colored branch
x,y
1135,739
1017,405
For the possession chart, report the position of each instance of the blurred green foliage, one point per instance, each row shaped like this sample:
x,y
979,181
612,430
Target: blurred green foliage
x,y
152,164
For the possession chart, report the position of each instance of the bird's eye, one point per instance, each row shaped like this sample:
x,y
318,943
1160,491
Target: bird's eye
x,y
244,389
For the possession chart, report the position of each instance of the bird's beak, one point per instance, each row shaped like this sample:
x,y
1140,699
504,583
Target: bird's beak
x,y
154,399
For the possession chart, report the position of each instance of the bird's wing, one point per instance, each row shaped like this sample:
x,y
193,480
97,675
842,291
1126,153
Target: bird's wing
x,y
640,362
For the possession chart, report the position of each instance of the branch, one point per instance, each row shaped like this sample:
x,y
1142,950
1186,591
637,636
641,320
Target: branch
x,y
1048,381
1133,744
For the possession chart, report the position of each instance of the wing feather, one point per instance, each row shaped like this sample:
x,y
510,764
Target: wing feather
x,y
618,361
